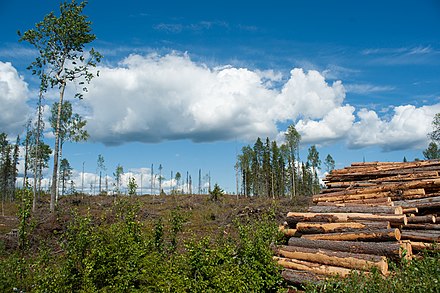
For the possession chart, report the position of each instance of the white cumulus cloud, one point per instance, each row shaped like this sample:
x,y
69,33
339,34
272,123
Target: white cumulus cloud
x,y
408,128
335,125
154,98
13,97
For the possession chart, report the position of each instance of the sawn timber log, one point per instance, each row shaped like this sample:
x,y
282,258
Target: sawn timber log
x,y
295,217
315,228
335,258
393,250
375,235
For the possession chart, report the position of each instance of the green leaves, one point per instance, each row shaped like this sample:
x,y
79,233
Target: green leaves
x,y
60,41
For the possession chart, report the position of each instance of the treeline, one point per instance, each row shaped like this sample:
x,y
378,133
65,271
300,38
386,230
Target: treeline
x,y
269,169
8,168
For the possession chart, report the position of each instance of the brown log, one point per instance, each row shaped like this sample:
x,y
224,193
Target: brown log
x,y
379,200
421,219
420,246
423,236
316,228
410,210
380,174
421,227
350,184
335,258
373,168
406,177
301,277
295,217
311,267
407,249
375,235
287,232
392,250
356,209
382,190
429,202
395,190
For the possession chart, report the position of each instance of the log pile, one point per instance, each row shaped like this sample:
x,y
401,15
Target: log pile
x,y
368,214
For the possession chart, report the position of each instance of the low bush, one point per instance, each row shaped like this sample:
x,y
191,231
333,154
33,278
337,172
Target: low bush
x,y
419,275
125,256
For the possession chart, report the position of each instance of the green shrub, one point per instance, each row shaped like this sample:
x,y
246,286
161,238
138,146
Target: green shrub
x,y
418,275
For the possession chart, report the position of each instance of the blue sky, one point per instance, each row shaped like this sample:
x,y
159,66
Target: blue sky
x,y
186,84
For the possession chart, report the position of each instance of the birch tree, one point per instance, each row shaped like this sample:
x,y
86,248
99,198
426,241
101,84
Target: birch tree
x,y
60,41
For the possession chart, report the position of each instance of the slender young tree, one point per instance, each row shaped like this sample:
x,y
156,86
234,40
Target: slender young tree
x,y
435,134
432,152
71,127
314,162
39,126
39,158
329,163
178,177
160,178
27,145
293,139
118,176
100,167
60,41
65,174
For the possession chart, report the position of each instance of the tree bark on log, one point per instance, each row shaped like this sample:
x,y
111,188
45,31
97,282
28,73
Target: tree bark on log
x,y
420,246
288,232
421,227
377,201
335,258
359,176
410,210
311,267
392,250
384,167
406,177
375,235
429,202
316,228
395,191
421,219
296,217
301,277
356,209
349,184
423,236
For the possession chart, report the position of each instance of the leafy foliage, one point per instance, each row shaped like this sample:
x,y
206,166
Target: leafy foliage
x,y
126,256
267,169
60,41
435,134
432,152
216,193
419,275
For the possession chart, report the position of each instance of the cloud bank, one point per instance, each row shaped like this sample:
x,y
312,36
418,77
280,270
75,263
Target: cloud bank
x,y
157,98
13,97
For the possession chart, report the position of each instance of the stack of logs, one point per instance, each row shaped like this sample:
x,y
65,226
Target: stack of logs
x,y
368,214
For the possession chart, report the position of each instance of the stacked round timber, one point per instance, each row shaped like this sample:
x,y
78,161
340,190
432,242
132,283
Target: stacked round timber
x,y
349,260
355,213
316,228
301,277
393,250
357,209
296,217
